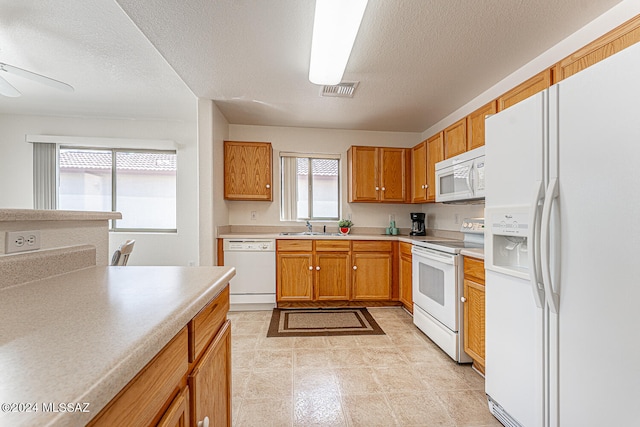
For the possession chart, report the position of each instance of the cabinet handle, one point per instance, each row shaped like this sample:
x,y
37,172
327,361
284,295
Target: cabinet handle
x,y
268,185
377,188
204,423
318,268
383,189
463,299
311,267
355,267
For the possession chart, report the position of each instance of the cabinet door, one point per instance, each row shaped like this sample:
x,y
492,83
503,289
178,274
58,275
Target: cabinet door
x,y
294,276
363,174
419,173
393,174
210,382
434,155
455,139
405,272
524,90
247,171
371,276
474,321
332,276
178,413
475,125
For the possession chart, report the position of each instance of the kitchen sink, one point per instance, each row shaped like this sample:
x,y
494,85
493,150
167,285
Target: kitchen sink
x,y
308,233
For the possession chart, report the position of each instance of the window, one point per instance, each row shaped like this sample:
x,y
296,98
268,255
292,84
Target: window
x,y
310,186
139,184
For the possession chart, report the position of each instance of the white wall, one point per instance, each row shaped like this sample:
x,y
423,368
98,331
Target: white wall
x,y
213,129
16,176
332,141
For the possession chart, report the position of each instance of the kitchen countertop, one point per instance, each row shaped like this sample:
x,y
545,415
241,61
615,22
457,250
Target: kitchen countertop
x,y
400,237
81,337
475,253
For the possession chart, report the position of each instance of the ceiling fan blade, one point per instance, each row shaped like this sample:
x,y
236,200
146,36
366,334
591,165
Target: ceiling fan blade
x,y
7,90
35,77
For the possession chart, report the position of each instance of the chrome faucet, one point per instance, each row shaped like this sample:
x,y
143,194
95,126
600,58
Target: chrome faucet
x,y
309,226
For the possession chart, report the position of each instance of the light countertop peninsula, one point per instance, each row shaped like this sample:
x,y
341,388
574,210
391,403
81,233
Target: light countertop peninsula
x,y
81,337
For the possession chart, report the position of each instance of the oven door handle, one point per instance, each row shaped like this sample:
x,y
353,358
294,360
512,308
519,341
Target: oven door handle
x,y
433,255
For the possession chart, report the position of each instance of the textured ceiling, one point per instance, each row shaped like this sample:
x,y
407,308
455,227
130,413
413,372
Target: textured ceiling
x,y
417,60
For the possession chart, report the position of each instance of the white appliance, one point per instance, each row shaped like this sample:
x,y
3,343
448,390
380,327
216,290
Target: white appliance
x,y
254,285
562,242
437,280
461,178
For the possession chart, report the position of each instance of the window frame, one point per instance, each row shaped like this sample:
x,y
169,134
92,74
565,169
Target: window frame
x,y
288,208
114,208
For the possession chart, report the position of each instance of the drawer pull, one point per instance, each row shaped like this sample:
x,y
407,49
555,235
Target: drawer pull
x,y
204,423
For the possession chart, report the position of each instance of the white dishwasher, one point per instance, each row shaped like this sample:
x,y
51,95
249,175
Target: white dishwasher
x,y
254,285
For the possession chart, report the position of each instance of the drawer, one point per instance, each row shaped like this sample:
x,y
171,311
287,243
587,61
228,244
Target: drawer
x,y
294,245
206,324
141,401
405,248
474,268
371,246
333,245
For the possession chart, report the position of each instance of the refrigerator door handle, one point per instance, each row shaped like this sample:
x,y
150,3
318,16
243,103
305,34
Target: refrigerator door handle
x,y
534,247
545,230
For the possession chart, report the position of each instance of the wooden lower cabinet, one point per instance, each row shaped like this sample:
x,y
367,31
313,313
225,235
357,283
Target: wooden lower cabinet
x,y
474,311
372,270
405,272
313,270
332,276
170,391
294,275
342,271
178,413
210,382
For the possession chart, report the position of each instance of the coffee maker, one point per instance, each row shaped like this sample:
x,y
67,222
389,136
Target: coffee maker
x,y
417,226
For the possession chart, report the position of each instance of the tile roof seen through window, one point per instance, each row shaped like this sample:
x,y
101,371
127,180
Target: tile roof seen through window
x,y
327,167
94,159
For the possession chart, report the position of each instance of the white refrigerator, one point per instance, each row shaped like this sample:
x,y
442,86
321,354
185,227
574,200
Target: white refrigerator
x,y
562,252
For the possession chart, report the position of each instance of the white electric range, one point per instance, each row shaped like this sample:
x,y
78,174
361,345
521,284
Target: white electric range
x,y
438,286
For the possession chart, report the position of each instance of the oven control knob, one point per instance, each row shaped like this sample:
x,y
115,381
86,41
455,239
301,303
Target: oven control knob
x,y
463,299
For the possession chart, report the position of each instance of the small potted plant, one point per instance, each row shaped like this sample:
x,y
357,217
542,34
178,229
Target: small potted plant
x,y
345,226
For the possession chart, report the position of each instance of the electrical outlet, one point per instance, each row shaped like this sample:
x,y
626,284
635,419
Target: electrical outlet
x,y
254,215
21,241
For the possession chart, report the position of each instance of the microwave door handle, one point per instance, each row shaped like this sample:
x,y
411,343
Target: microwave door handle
x,y
469,178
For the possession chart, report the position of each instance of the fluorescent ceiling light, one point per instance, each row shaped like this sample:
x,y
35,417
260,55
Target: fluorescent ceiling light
x,y
335,27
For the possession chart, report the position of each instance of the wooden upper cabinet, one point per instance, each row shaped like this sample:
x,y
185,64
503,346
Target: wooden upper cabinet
x,y
377,174
247,171
419,173
363,174
435,154
524,90
475,125
455,139
393,174
612,42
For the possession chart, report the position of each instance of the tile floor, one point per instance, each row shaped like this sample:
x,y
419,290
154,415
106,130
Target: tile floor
x,y
397,379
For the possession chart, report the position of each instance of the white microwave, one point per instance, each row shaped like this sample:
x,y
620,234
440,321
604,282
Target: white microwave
x,y
461,178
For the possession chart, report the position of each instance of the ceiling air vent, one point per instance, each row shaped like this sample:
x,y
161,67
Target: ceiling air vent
x,y
342,90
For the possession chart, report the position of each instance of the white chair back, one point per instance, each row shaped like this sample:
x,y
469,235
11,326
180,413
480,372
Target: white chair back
x,y
121,255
